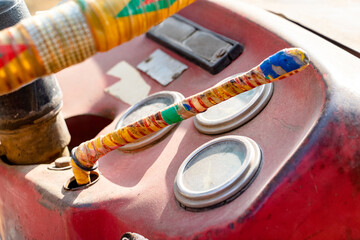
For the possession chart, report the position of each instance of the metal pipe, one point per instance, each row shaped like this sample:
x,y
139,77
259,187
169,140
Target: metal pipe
x,y
276,67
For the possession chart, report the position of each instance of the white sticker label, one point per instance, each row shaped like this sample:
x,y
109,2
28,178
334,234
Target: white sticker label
x,y
131,88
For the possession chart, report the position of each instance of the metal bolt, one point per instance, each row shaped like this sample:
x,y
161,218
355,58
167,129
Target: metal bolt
x,y
62,162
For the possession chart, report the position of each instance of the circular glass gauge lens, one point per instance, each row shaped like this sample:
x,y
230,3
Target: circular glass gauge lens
x,y
234,112
217,171
145,107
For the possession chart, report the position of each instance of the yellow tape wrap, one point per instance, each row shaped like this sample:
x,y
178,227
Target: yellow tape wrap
x,y
82,177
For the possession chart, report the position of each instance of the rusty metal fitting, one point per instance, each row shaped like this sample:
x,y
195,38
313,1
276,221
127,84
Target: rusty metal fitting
x,y
32,128
60,164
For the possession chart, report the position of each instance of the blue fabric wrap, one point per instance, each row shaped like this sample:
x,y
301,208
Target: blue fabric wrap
x,y
280,59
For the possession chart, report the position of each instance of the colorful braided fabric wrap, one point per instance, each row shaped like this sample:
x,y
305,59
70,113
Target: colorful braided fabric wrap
x,y
72,32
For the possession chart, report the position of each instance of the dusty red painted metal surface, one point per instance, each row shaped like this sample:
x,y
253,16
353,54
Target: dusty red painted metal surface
x,y
308,187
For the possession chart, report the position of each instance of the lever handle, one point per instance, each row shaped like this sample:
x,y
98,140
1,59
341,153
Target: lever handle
x,y
278,66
